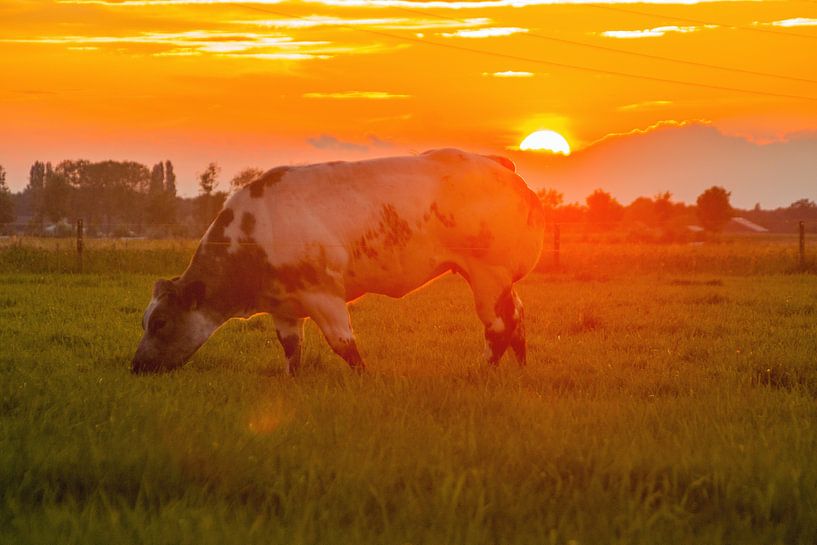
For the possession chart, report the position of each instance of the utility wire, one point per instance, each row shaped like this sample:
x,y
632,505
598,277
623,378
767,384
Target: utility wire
x,y
626,52
541,61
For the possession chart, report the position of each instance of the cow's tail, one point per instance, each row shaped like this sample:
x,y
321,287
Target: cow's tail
x,y
504,161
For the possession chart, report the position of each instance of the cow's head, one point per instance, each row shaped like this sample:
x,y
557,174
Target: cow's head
x,y
175,325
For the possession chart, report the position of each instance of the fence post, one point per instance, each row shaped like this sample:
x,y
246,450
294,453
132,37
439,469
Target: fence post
x,y
80,244
556,244
802,226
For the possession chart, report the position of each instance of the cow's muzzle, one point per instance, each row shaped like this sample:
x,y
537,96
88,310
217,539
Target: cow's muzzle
x,y
144,363
143,367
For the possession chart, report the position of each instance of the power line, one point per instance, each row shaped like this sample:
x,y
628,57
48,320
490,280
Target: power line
x,y
626,52
700,22
543,62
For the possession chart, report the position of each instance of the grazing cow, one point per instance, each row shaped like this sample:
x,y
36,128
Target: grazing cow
x,y
304,241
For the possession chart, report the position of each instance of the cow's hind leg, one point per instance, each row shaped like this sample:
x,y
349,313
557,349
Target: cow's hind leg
x,y
500,310
332,317
290,332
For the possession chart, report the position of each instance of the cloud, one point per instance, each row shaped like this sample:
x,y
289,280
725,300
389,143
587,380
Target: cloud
x,y
416,4
646,105
484,32
385,23
509,74
355,95
654,32
794,22
663,124
377,142
218,43
137,3
327,141
481,4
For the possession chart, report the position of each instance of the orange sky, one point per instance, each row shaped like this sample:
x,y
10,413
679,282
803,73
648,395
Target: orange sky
x,y
264,83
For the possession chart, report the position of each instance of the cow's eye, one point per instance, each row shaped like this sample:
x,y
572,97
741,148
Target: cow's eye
x,y
157,324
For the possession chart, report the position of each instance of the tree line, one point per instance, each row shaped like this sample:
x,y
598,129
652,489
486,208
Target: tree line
x,y
126,198
114,198
661,219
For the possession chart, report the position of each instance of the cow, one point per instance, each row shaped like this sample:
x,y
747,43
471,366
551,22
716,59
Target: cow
x,y
304,241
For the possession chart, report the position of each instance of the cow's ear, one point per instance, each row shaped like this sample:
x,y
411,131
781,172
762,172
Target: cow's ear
x,y
164,287
193,295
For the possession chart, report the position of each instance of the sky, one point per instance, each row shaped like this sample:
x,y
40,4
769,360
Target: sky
x,y
716,92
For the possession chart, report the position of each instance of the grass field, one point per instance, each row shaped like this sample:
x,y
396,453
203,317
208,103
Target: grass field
x,y
661,405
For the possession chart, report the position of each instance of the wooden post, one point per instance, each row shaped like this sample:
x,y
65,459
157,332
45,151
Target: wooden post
x,y
556,244
80,244
802,226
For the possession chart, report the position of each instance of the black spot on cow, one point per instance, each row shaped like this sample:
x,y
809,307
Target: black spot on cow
x,y
295,277
392,231
265,180
364,246
446,219
237,281
234,281
396,231
242,282
222,221
247,225
305,274
217,241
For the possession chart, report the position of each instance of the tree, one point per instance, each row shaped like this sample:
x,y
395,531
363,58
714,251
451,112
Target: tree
x,y
170,179
170,193
55,194
6,204
157,179
714,209
641,211
803,204
570,213
244,177
207,200
109,190
159,202
603,210
663,207
35,188
208,180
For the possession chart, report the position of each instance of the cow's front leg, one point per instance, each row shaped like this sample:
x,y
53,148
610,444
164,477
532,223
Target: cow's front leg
x,y
290,332
332,317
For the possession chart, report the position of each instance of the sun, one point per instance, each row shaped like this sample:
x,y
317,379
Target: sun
x,y
545,140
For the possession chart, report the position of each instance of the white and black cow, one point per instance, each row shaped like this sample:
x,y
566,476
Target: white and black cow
x,y
302,242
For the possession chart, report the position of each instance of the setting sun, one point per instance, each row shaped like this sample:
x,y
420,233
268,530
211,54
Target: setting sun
x,y
545,140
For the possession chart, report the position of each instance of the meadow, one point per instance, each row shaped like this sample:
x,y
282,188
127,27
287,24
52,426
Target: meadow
x,y
669,399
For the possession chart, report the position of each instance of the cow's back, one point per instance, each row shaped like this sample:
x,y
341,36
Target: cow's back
x,y
390,225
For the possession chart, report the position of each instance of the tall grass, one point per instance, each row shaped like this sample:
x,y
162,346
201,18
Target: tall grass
x,y
736,255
